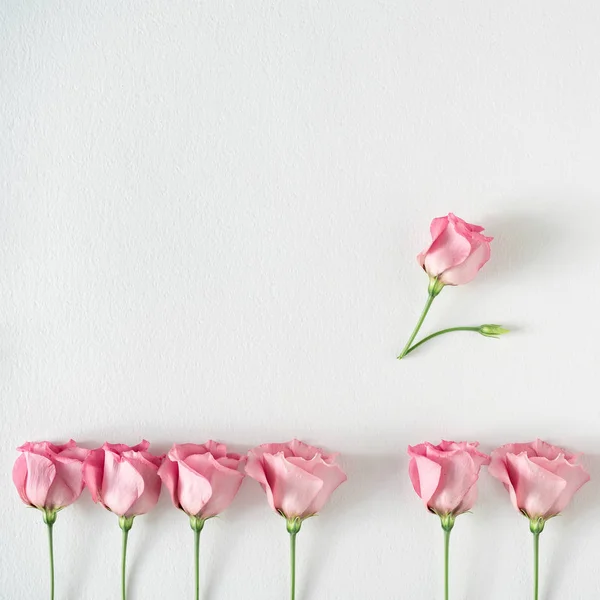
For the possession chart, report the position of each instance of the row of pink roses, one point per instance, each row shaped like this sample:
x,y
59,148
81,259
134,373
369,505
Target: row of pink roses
x,y
298,479
202,479
540,478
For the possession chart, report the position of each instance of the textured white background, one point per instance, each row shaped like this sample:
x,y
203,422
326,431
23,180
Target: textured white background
x,y
209,216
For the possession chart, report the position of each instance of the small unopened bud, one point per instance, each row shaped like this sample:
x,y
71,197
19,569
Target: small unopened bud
x,y
492,330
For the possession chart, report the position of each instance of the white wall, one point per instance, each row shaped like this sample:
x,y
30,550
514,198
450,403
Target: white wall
x,y
209,216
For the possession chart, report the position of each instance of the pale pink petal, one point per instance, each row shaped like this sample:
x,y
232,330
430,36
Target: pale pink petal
x,y
182,451
460,222
230,462
19,475
332,477
425,476
303,450
468,501
272,449
169,474
68,483
225,483
536,489
545,450
216,449
121,448
468,269
75,452
437,227
122,484
449,249
40,475
293,489
575,476
194,489
146,466
255,467
458,475
500,453
93,473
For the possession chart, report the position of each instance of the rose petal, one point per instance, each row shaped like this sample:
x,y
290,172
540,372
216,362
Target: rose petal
x,y
40,475
468,269
169,474
448,250
194,489
68,482
536,490
122,484
425,476
293,489
19,475
225,483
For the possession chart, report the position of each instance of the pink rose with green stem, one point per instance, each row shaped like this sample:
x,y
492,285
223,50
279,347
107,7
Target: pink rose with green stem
x,y
445,478
49,477
124,479
298,480
202,480
541,480
456,254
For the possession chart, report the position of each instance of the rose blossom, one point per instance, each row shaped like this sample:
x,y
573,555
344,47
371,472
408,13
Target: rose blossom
x,y
540,478
445,476
124,479
297,478
202,479
457,251
49,476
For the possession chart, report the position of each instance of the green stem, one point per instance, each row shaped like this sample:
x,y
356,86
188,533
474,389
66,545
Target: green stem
x,y
293,564
124,564
441,332
446,562
197,560
406,349
51,548
125,523
536,564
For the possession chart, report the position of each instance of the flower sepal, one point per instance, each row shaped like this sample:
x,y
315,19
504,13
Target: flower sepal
x,y
536,525
447,521
126,523
293,525
197,523
49,515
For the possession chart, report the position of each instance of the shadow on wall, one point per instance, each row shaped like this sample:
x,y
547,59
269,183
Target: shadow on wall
x,y
526,239
569,529
385,474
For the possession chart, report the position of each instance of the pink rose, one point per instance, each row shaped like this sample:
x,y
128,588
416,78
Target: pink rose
x,y
457,251
48,476
445,476
540,478
202,479
297,478
124,479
